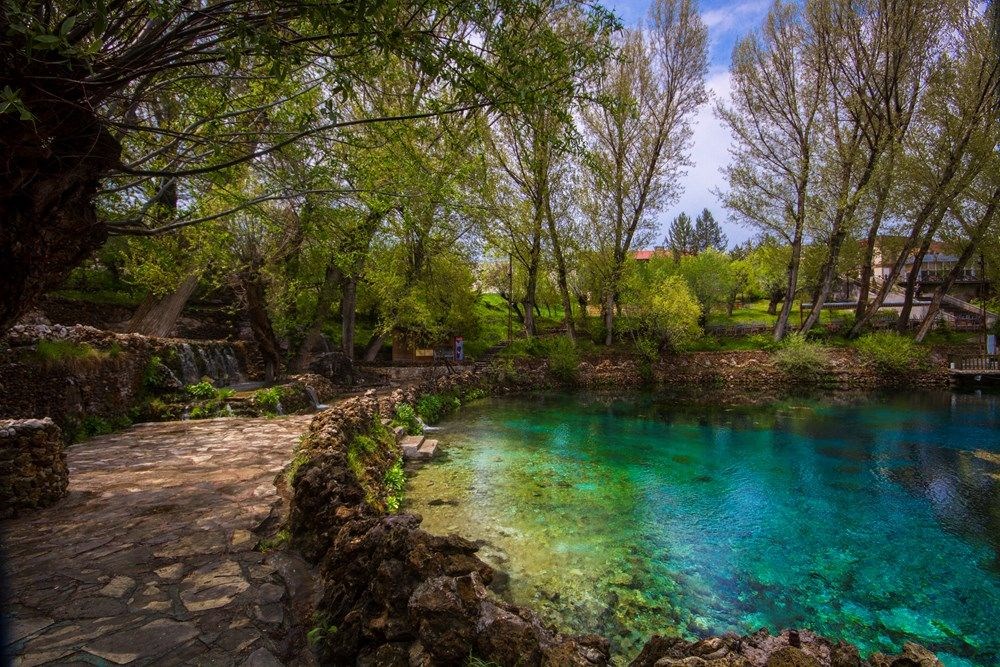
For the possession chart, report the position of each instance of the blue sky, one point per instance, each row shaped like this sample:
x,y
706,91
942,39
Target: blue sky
x,y
727,22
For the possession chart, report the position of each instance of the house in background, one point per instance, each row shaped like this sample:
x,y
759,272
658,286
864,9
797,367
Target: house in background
x,y
934,269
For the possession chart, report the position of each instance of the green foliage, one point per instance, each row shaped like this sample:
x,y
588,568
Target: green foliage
x,y
323,629
52,352
710,277
802,359
667,313
92,426
890,351
268,399
395,483
432,408
563,358
203,390
279,541
474,394
406,417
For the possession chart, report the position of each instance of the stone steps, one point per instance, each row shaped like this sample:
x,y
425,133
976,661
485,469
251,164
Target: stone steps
x,y
418,447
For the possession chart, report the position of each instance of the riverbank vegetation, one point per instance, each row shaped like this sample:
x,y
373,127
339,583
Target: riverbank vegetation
x,y
492,171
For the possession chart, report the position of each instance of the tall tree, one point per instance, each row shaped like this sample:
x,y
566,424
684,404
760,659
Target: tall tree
x,y
779,86
639,134
681,236
708,233
79,76
876,54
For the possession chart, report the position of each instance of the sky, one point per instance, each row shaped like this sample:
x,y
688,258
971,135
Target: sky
x,y
726,22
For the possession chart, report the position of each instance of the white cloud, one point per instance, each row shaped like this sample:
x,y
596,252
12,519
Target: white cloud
x,y
728,17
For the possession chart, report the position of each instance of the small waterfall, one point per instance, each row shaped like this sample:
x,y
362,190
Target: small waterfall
x,y
189,364
314,398
232,366
219,362
279,408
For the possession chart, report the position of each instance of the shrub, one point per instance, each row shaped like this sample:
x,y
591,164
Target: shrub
x,y
801,359
406,417
432,408
203,390
268,400
890,351
475,394
395,482
667,314
563,358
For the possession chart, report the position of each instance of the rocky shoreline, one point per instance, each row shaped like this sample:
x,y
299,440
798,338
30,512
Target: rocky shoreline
x,y
396,595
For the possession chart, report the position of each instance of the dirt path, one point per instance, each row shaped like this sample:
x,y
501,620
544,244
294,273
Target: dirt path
x,y
153,556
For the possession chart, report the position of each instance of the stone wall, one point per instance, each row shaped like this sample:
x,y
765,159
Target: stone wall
x,y
395,595
33,470
105,378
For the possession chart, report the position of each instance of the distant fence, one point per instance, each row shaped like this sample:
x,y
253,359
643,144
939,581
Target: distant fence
x,y
974,363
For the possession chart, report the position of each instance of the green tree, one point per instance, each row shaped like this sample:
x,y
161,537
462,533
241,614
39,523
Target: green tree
x,y
708,233
681,237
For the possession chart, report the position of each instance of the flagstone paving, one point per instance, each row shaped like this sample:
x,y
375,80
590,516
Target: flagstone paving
x,y
155,557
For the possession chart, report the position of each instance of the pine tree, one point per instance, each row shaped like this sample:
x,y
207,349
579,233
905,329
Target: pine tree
x,y
708,233
681,236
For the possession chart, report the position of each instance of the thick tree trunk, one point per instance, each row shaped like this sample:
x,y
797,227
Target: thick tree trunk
x,y
772,304
157,316
348,311
51,170
374,345
260,324
794,262
324,301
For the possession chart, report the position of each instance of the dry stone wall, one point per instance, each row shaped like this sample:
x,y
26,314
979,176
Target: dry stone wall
x,y
33,470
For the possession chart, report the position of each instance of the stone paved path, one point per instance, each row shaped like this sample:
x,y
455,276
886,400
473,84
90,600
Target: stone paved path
x,y
153,558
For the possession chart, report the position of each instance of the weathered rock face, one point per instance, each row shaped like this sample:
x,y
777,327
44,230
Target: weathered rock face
x,y
33,470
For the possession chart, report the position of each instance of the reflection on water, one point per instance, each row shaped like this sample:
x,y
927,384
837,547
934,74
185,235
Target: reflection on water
x,y
874,519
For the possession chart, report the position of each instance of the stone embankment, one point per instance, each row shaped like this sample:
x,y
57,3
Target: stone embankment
x,y
33,470
394,595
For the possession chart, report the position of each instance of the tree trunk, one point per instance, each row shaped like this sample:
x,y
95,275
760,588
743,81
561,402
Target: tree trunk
x,y
260,324
609,317
348,310
324,301
975,237
561,273
52,167
903,323
158,316
794,262
772,305
374,345
828,273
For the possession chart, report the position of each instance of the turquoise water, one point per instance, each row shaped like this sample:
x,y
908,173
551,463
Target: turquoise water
x,y
874,519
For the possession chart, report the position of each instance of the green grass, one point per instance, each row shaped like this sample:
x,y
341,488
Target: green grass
x,y
754,312
491,311
105,297
65,351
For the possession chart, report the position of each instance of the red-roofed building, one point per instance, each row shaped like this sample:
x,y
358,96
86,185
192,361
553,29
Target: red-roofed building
x,y
646,255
